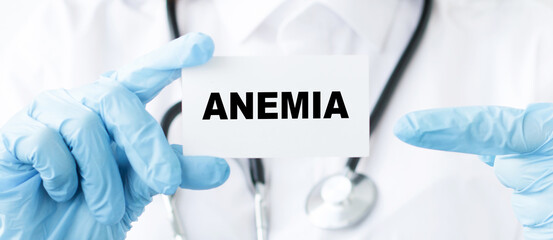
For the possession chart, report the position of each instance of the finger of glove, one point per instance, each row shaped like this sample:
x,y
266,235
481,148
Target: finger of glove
x,y
149,74
31,142
532,204
483,130
543,232
488,159
201,172
135,131
137,193
89,142
137,196
521,171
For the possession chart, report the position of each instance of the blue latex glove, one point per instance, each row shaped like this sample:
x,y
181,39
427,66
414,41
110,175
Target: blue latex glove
x,y
83,163
517,143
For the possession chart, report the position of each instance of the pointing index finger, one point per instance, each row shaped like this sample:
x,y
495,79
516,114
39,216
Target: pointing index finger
x,y
483,130
149,74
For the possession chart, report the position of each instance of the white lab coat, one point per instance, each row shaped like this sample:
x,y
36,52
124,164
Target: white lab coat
x,y
473,53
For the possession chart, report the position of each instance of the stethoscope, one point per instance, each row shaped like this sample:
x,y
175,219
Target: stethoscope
x,y
337,201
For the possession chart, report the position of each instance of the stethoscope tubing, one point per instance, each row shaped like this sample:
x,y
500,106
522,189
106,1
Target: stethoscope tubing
x,y
396,75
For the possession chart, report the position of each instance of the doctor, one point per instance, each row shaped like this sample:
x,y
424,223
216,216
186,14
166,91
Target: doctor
x,y
474,53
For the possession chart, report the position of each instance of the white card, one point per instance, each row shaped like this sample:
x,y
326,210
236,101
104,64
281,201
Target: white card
x,y
297,106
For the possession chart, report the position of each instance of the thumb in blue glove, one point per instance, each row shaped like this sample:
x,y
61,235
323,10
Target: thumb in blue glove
x,y
85,162
517,143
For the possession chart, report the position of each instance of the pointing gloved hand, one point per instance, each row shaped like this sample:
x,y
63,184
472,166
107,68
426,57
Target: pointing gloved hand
x,y
83,163
517,143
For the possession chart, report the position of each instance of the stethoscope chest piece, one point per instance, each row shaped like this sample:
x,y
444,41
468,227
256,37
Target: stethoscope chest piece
x,y
341,200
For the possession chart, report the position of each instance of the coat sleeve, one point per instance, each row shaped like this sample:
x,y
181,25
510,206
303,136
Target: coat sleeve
x,y
543,87
14,16
64,44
